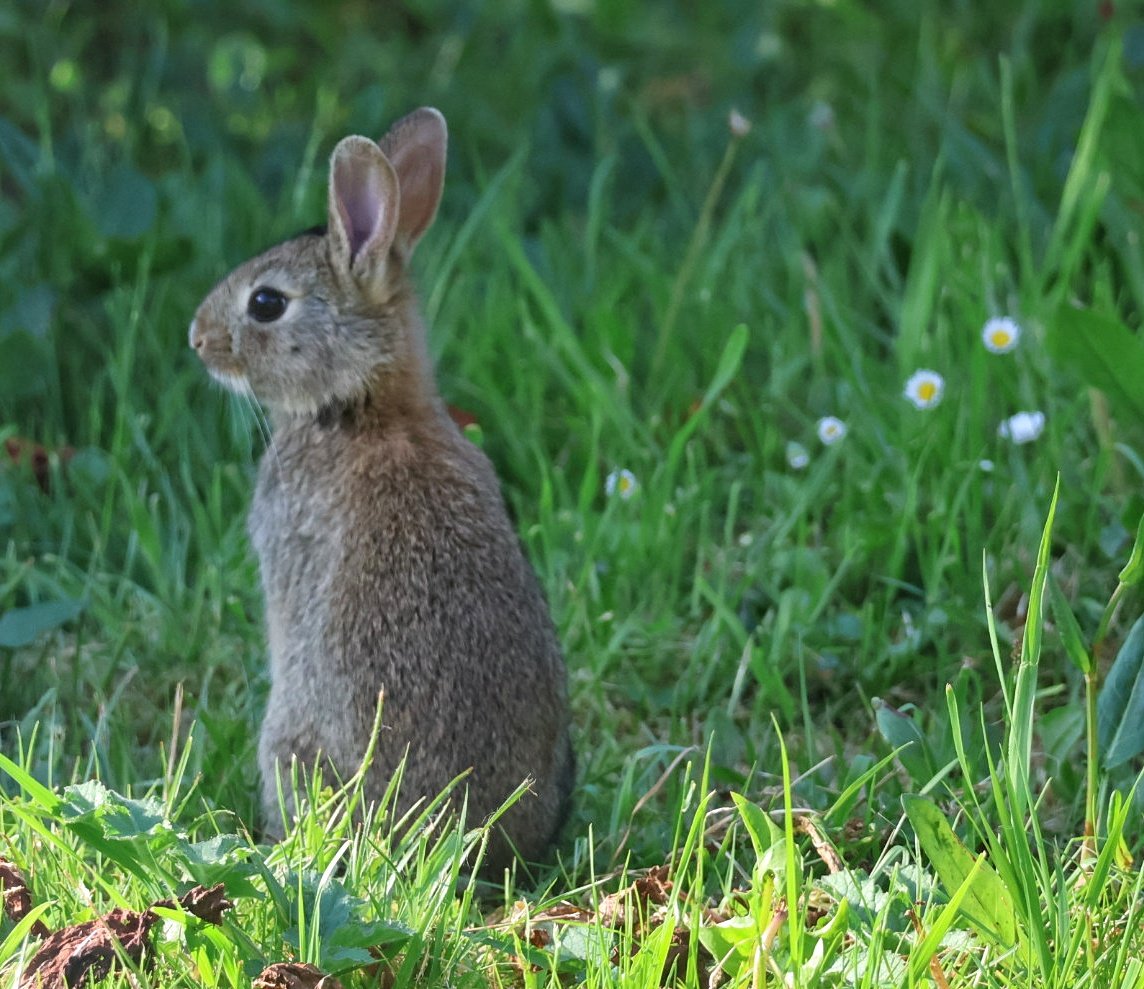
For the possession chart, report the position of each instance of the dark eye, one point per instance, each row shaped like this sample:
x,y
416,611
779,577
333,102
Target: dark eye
x,y
266,304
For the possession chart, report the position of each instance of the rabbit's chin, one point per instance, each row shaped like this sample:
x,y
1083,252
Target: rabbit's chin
x,y
232,381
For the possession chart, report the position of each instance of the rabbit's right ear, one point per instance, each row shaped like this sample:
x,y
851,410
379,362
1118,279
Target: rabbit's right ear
x,y
364,206
416,145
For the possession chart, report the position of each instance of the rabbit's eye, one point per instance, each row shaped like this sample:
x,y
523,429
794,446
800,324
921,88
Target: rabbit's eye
x,y
266,304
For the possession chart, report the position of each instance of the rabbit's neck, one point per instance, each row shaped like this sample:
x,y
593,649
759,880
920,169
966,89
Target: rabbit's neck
x,y
401,396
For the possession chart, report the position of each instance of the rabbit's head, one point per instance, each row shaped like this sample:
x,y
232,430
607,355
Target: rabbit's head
x,y
312,321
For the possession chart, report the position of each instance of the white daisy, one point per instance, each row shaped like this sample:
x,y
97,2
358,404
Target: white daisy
x,y
831,430
622,483
797,457
1024,427
1001,335
925,389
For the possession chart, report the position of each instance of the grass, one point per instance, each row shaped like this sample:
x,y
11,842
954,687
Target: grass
x,y
787,686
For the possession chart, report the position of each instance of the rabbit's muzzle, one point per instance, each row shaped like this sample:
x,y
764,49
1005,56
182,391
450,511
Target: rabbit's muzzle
x,y
215,348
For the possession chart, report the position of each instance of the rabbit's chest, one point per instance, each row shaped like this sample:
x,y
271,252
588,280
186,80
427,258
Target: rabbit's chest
x,y
297,528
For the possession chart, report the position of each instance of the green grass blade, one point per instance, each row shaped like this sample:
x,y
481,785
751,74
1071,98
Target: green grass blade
x,y
1020,742
47,799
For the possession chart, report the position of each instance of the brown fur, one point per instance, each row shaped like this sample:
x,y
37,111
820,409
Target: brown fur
x,y
388,561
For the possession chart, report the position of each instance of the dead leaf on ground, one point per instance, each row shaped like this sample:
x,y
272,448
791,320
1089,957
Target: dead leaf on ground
x,y
652,889
82,952
16,897
207,904
79,953
806,825
294,975
677,959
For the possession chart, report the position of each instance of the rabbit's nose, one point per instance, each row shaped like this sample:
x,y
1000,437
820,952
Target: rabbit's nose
x,y
194,338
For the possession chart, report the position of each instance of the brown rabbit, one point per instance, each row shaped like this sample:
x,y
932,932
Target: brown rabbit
x,y
388,560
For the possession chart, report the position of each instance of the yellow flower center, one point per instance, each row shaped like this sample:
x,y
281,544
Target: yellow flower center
x,y
926,391
1001,338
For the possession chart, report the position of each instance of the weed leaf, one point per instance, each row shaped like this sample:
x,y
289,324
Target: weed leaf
x,y
116,816
127,204
1104,352
1133,571
1068,629
987,903
902,732
1120,706
762,831
22,626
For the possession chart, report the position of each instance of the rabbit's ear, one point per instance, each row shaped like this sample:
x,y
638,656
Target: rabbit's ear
x,y
416,146
365,203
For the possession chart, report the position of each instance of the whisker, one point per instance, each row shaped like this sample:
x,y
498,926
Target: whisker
x,y
246,412
242,415
261,422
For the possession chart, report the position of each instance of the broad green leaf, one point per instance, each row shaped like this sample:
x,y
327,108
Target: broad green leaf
x,y
766,836
117,816
1120,706
19,153
31,313
732,942
126,205
1103,352
22,626
25,365
1119,141
1069,630
902,732
987,904
220,859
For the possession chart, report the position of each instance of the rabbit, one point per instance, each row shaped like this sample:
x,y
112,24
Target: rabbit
x,y
387,558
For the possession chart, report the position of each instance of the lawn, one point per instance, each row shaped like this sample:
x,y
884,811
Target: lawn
x,y
856,675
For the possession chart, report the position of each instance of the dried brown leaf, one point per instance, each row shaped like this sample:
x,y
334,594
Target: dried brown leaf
x,y
88,951
539,938
808,826
562,912
207,904
653,888
294,975
16,897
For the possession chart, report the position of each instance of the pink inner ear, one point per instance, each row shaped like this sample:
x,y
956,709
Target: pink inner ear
x,y
420,171
360,201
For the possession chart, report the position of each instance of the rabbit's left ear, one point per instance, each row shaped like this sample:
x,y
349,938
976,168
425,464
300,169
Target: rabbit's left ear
x,y
364,204
416,146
